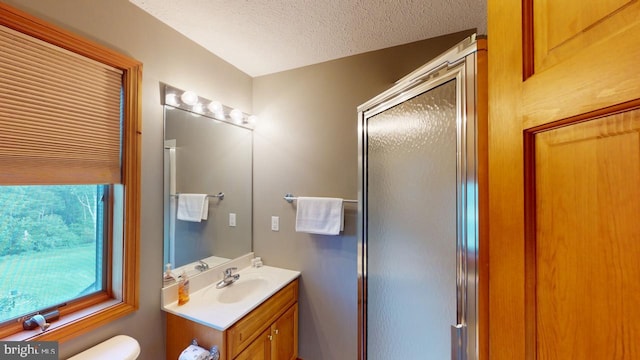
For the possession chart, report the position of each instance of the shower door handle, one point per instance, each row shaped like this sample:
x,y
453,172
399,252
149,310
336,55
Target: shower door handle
x,y
458,342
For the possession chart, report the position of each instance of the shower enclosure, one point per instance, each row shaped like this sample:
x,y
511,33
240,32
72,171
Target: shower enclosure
x,y
419,206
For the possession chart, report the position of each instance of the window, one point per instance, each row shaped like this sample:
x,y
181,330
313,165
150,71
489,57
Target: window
x,y
70,185
52,247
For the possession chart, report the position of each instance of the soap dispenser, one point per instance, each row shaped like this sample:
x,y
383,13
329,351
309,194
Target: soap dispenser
x,y
168,278
183,289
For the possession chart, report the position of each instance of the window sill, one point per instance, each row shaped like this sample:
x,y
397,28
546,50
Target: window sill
x,y
76,323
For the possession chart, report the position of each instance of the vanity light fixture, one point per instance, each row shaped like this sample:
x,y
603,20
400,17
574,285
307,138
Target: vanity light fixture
x,y
190,101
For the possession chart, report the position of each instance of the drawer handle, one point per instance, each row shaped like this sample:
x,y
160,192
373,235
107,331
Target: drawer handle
x,y
277,331
270,337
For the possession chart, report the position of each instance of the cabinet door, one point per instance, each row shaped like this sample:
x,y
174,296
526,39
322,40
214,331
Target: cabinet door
x,y
259,349
285,335
245,331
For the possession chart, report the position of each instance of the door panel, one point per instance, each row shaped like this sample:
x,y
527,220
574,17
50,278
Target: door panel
x,y
593,69
563,27
585,271
564,174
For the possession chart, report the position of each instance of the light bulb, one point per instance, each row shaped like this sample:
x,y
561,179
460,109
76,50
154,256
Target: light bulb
x,y
253,119
236,115
171,99
215,107
198,108
219,115
189,98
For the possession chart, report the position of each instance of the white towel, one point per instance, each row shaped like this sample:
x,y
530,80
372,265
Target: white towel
x,y
193,207
319,215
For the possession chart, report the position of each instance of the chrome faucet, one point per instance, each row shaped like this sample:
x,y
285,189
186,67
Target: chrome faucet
x,y
202,266
229,278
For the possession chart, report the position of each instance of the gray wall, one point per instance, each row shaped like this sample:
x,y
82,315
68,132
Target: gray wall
x,y
168,57
306,143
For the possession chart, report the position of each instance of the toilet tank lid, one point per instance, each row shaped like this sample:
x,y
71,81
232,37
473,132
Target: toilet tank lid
x,y
118,347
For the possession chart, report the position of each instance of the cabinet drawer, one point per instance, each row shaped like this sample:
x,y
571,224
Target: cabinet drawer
x,y
253,324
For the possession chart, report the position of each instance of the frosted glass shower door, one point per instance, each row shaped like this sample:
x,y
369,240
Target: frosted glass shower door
x,y
411,227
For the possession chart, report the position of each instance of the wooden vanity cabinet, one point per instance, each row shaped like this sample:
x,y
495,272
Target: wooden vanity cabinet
x,y
270,331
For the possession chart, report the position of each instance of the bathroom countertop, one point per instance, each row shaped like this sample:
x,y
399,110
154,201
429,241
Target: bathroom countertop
x,y
211,307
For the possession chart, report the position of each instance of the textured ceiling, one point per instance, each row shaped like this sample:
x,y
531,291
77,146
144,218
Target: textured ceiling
x,y
265,36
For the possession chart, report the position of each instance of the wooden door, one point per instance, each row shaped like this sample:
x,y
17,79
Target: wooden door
x,y
259,349
564,179
285,335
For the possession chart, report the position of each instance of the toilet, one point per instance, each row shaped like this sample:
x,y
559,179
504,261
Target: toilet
x,y
121,347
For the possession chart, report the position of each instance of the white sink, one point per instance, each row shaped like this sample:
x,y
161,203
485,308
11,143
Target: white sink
x,y
250,285
221,308
241,290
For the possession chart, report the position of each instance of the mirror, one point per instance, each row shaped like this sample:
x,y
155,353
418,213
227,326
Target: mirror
x,y
203,155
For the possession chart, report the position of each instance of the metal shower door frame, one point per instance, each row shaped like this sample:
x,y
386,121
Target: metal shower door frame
x,y
459,64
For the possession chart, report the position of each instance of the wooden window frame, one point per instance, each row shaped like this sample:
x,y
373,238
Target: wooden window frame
x,y
93,311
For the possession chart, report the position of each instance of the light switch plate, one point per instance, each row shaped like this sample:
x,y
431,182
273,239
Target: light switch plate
x,y
232,219
275,223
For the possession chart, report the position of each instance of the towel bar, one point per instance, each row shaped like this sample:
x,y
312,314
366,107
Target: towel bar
x,y
219,195
290,198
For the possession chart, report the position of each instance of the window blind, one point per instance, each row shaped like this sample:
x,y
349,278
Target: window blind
x,y
60,115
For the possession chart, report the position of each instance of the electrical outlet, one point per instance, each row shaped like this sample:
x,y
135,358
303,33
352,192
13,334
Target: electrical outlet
x,y
232,219
275,223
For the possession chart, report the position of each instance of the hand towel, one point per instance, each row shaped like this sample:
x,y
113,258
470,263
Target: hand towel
x,y
205,208
322,216
193,207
